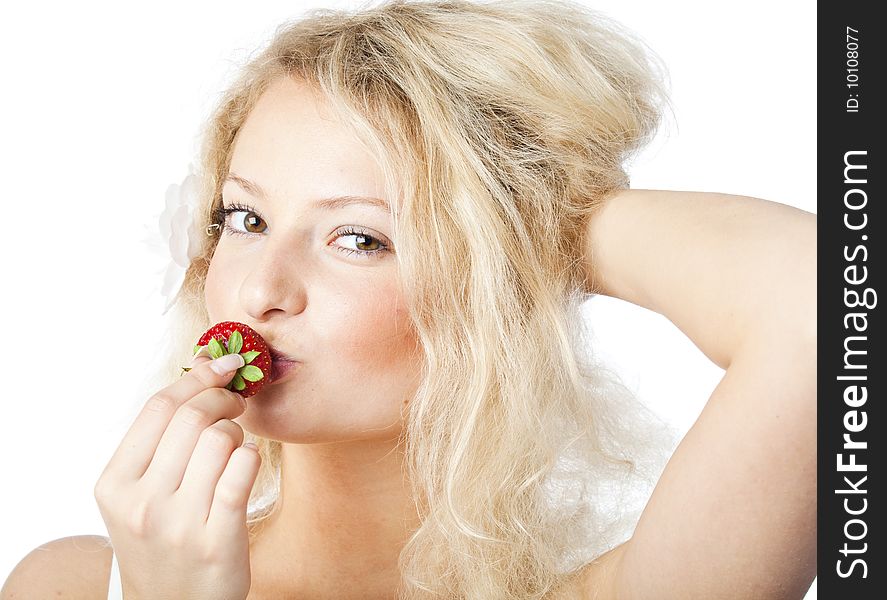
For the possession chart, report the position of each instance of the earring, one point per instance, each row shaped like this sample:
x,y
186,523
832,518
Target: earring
x,y
209,229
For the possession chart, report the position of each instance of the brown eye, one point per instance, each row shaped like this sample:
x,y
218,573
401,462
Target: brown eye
x,y
253,223
359,243
240,220
362,241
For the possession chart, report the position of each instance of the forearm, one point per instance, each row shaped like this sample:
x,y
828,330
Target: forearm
x,y
727,270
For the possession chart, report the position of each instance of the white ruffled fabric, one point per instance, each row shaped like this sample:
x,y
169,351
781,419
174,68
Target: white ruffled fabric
x,y
183,233
179,236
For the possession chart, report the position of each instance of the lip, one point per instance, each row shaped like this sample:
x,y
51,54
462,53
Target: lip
x,y
282,366
282,370
275,355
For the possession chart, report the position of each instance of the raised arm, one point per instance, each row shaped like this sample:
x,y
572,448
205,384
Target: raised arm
x,y
734,513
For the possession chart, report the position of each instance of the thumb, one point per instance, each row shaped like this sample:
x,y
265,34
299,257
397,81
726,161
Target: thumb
x,y
201,356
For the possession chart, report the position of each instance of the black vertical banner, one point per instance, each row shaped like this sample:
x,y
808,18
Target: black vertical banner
x,y
852,368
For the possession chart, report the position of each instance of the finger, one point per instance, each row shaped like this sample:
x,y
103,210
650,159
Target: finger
x,y
213,451
134,454
229,504
177,444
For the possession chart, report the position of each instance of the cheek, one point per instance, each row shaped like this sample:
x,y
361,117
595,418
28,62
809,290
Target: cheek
x,y
214,287
377,335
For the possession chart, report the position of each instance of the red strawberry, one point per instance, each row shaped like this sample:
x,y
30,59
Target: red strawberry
x,y
231,337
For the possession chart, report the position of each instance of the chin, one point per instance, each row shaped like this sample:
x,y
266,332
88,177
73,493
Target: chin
x,y
287,428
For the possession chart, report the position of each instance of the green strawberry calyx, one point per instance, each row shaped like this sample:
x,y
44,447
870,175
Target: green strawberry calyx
x,y
216,348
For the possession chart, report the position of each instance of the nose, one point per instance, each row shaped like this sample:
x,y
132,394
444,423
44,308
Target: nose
x,y
274,282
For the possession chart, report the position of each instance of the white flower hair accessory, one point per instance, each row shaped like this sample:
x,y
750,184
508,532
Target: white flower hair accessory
x,y
182,232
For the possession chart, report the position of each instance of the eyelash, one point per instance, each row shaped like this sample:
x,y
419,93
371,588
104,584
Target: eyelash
x,y
220,217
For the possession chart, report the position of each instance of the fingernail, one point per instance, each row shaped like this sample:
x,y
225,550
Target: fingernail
x,y
226,364
202,351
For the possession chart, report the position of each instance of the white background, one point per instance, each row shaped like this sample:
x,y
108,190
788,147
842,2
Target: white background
x,y
101,106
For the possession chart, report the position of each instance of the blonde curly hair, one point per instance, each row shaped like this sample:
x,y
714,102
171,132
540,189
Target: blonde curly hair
x,y
500,126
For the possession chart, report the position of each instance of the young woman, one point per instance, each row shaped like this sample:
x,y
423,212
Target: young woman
x,y
412,200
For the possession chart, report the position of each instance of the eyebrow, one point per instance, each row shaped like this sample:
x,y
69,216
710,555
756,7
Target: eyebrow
x,y
331,203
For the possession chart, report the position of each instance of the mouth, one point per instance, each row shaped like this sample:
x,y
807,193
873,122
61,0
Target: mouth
x,y
275,355
281,366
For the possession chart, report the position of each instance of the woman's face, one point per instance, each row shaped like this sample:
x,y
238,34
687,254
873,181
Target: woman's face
x,y
319,283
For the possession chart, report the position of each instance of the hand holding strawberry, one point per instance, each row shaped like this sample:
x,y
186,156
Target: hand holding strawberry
x,y
174,495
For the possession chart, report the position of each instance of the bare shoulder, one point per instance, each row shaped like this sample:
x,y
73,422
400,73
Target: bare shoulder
x,y
76,567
